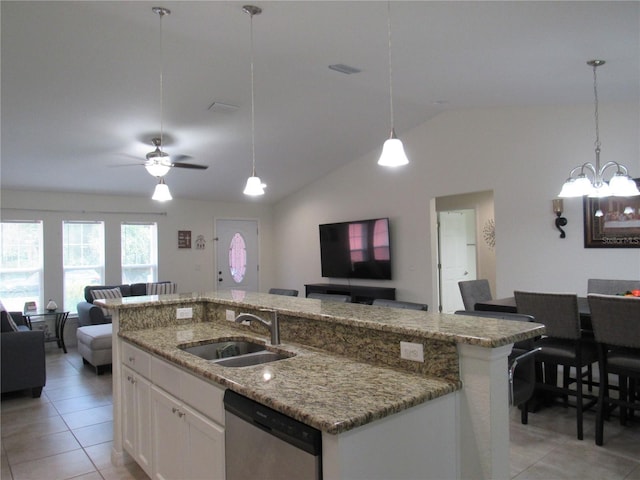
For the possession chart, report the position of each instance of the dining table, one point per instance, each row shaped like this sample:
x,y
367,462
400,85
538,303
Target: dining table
x,y
508,305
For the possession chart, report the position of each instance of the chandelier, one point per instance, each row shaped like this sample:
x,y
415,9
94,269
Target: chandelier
x,y
588,179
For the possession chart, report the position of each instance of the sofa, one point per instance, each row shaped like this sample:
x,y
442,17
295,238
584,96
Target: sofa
x,y
22,350
90,314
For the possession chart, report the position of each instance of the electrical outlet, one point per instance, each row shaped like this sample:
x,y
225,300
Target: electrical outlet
x,y
230,315
184,313
412,351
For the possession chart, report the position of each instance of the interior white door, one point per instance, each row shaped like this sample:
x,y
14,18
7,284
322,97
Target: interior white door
x,y
237,255
452,240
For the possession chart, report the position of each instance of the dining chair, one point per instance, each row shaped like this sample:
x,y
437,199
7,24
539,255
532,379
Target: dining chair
x,y
611,287
474,291
616,326
562,345
284,291
331,297
522,373
384,302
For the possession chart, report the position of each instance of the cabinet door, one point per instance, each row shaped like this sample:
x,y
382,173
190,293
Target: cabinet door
x,y
204,455
168,436
136,417
144,443
128,411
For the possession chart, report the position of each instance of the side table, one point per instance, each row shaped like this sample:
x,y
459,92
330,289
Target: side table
x,y
60,320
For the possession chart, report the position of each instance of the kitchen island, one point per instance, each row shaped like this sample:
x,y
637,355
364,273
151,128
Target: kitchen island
x,y
381,416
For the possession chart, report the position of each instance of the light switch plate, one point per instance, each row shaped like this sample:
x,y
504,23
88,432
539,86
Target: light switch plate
x,y
230,315
184,313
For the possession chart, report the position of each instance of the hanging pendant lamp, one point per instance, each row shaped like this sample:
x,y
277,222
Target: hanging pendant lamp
x,y
161,193
254,186
579,182
392,151
158,162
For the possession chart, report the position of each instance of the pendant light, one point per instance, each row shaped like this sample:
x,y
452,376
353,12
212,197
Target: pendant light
x,y
254,185
392,151
158,162
579,184
161,193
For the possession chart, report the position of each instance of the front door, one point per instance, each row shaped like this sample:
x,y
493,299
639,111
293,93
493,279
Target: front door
x,y
237,255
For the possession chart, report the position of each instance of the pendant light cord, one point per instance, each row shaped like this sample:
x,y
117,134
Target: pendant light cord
x,y
390,68
253,128
161,86
595,96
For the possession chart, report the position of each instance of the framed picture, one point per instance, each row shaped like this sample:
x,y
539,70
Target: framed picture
x,y
612,222
184,238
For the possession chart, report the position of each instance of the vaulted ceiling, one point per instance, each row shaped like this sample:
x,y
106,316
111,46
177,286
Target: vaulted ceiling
x,y
81,89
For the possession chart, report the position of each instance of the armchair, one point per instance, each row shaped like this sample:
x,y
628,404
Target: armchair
x,y
22,356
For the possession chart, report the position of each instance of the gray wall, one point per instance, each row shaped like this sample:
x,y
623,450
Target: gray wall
x,y
522,154
191,269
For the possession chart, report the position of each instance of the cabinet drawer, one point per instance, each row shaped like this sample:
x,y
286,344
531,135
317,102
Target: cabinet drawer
x,y
203,396
166,376
136,359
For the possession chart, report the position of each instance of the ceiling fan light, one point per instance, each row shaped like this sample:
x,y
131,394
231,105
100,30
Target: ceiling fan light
x,y
162,193
254,187
393,153
157,169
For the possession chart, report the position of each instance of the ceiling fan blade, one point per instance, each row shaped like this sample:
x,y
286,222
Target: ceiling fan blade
x,y
134,157
192,166
181,158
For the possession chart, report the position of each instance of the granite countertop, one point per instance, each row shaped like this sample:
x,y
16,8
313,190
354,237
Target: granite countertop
x,y
483,332
329,392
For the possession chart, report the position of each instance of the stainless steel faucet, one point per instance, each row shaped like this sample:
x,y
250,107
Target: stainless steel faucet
x,y
273,325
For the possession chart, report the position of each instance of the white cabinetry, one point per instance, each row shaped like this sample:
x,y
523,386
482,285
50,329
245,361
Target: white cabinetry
x,y
172,421
187,444
136,407
187,419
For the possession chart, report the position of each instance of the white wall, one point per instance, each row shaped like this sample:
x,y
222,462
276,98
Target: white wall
x,y
522,154
191,269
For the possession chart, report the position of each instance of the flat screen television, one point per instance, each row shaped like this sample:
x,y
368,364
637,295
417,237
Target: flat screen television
x,y
358,249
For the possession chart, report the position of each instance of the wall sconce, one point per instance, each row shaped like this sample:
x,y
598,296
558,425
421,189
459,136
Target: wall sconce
x,y
560,220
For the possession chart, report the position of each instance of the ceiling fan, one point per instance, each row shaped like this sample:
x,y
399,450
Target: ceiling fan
x,y
159,163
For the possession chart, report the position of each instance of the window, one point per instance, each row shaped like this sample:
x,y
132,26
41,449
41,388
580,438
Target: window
x,y
21,265
237,258
83,259
139,250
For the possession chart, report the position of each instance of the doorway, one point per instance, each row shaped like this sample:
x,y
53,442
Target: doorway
x,y
237,263
463,250
457,248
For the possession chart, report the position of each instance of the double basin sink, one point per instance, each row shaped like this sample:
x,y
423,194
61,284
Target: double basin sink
x,y
234,353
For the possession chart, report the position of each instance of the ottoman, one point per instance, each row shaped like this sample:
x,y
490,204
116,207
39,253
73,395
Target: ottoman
x,y
94,344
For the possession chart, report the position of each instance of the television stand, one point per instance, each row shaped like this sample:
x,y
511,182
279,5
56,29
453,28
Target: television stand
x,y
358,293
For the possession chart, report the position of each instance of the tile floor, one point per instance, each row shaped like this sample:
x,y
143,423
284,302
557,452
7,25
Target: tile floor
x,y
67,434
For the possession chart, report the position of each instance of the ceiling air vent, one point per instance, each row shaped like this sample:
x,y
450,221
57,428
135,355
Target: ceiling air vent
x,y
222,107
342,68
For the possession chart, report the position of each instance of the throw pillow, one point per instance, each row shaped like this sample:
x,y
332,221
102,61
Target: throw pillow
x,y
161,288
106,294
8,323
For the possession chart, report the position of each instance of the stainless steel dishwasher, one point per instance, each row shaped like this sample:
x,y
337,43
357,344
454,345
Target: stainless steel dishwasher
x,y
261,443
